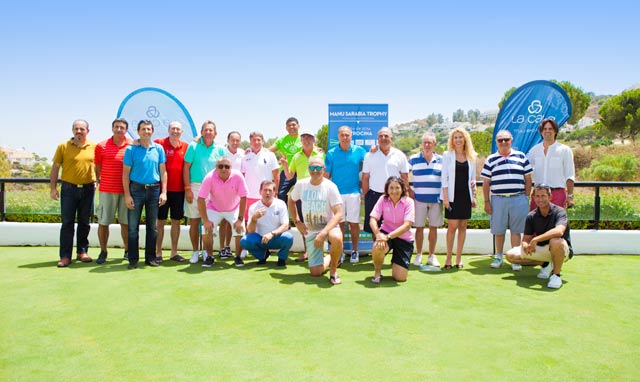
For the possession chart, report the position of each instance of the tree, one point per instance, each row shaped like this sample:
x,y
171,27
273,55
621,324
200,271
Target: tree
x,y
621,114
322,138
578,98
482,142
5,166
459,116
473,115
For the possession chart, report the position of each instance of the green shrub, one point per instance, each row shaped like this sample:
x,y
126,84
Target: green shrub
x,y
622,167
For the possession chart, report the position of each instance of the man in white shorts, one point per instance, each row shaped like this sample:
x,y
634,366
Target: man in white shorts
x,y
547,240
222,196
343,164
322,212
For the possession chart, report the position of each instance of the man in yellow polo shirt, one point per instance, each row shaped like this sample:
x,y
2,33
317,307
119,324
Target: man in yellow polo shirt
x,y
75,156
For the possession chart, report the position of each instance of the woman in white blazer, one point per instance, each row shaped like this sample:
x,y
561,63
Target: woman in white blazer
x,y
458,189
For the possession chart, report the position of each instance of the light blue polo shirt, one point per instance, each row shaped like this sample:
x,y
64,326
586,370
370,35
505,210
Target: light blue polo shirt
x,y
144,163
345,167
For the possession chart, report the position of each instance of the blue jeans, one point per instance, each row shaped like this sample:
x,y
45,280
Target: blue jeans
x,y
147,198
252,242
285,186
75,201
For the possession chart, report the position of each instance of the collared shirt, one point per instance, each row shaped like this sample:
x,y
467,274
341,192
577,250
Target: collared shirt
x,y
202,158
175,162
236,159
144,162
380,167
537,224
395,216
344,166
506,173
427,177
109,157
299,163
76,162
257,168
554,168
275,216
223,195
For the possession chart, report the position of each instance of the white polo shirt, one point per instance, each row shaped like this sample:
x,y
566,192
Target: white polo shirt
x,y
276,215
380,167
553,169
256,168
236,159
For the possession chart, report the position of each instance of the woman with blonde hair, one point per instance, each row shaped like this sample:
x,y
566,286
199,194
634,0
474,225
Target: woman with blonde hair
x,y
458,189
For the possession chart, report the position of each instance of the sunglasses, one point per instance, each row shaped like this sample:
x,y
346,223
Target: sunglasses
x,y
224,166
503,140
315,168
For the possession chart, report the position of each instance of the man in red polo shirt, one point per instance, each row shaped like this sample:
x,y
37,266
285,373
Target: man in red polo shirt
x,y
175,150
108,161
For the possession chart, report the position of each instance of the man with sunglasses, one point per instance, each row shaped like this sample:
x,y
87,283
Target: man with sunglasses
x,y
222,196
322,211
506,186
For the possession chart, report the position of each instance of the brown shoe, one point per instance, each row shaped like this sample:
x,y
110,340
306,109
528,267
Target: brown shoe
x,y
84,258
64,262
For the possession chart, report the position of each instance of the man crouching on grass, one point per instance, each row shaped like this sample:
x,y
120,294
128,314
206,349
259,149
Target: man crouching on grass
x,y
322,212
546,241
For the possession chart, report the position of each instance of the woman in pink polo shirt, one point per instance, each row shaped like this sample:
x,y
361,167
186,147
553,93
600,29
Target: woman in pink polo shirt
x,y
397,212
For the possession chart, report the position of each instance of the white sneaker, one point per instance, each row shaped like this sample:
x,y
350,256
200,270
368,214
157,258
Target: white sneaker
x,y
194,257
342,257
497,261
355,257
243,253
433,261
418,260
516,267
555,282
545,272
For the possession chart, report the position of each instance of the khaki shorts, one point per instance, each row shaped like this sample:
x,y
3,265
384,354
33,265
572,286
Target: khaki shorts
x,y
191,209
542,253
108,204
432,211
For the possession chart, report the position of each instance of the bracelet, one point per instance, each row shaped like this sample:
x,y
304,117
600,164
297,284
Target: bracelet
x,y
187,188
570,196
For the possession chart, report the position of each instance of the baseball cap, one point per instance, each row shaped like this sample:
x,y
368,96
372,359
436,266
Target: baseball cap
x,y
307,132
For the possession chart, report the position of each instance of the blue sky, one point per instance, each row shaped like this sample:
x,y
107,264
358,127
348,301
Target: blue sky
x,y
250,65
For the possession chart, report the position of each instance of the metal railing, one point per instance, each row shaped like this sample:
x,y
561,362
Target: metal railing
x,y
596,185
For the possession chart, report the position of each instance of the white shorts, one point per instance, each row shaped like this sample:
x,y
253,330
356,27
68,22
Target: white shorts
x,y
433,211
191,209
231,216
541,254
351,207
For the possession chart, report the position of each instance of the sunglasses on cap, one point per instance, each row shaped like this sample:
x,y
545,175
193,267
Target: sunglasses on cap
x,y
315,168
224,166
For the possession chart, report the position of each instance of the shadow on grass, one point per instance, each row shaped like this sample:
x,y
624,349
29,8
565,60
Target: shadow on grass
x,y
387,282
304,278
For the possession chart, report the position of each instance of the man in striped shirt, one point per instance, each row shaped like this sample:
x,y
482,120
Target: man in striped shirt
x,y
506,186
108,160
426,167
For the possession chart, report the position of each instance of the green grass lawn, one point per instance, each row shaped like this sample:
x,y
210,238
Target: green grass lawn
x,y
257,323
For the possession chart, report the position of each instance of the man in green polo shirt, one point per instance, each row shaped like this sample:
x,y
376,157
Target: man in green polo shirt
x,y
287,145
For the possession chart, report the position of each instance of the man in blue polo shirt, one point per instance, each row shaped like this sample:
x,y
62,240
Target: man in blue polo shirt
x,y
343,164
426,167
506,186
144,178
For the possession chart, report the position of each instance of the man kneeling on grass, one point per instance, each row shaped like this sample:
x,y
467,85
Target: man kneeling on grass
x,y
322,212
546,241
268,226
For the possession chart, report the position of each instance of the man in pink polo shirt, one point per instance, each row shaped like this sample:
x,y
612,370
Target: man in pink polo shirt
x,y
222,196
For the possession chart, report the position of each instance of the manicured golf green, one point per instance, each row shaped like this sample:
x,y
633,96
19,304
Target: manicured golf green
x,y
263,323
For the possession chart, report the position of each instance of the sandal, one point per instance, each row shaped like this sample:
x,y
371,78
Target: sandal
x,y
335,279
302,258
376,280
159,259
447,266
459,266
177,258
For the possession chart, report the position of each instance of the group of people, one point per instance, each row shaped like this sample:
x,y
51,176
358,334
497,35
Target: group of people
x,y
252,196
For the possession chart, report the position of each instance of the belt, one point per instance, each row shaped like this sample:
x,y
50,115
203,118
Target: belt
x,y
509,195
80,185
152,185
557,188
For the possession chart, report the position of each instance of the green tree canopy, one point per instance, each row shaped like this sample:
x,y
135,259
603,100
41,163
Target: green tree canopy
x,y
621,114
482,142
322,138
579,99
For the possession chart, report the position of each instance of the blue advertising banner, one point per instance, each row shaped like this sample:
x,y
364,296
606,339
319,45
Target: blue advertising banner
x,y
161,108
523,111
365,120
